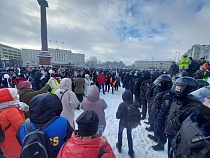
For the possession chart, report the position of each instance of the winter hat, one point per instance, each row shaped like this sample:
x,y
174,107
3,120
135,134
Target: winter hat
x,y
87,123
24,84
55,75
38,74
86,75
8,94
127,96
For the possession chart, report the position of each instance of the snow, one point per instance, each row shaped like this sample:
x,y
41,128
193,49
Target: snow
x,y
141,143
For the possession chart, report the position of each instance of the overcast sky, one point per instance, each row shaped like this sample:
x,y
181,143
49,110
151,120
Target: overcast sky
x,y
111,30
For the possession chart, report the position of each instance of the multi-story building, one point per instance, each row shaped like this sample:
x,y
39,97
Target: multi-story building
x,y
153,64
197,51
59,57
10,56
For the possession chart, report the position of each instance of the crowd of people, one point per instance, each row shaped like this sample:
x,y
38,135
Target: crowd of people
x,y
175,105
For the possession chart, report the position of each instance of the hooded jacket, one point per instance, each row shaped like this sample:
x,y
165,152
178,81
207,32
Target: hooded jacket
x,y
43,108
86,148
95,103
127,98
69,100
10,114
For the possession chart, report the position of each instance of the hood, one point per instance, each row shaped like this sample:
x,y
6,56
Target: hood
x,y
38,75
66,84
93,93
43,108
127,96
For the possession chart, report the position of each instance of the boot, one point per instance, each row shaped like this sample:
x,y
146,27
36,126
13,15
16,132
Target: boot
x,y
153,137
118,148
150,129
158,147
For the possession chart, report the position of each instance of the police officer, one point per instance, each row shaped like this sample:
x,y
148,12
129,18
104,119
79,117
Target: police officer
x,y
164,84
143,89
136,87
181,107
150,94
192,140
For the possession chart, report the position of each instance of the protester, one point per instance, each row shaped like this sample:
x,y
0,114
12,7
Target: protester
x,y
26,93
68,99
43,108
97,104
127,98
11,117
85,142
79,88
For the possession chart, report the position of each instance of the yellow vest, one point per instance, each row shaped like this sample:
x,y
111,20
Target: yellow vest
x,y
184,63
53,90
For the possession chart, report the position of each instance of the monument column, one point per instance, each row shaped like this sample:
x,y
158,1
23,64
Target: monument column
x,y
44,55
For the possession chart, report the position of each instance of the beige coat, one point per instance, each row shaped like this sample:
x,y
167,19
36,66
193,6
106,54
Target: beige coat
x,y
69,100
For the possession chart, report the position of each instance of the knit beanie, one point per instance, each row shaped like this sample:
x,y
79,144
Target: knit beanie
x,y
8,94
24,85
87,123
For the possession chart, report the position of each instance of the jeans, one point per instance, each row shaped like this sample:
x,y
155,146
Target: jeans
x,y
101,86
129,137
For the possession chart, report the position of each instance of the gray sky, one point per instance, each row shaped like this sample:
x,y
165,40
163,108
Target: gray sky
x,y
114,30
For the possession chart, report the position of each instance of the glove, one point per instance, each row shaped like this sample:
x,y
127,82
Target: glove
x,y
49,81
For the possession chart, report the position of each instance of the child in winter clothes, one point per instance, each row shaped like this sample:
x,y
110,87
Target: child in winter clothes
x,y
85,143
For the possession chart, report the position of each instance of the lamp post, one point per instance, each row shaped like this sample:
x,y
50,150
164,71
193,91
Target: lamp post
x,y
161,65
178,56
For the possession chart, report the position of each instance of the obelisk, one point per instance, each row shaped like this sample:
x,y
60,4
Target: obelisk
x,y
44,56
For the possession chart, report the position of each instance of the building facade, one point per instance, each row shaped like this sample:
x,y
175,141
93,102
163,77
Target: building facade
x,y
197,51
10,56
59,57
161,65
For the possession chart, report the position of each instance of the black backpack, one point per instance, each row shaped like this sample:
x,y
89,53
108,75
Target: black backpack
x,y
133,116
37,143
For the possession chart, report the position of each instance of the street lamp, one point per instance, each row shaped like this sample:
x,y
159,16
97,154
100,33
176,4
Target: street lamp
x,y
178,56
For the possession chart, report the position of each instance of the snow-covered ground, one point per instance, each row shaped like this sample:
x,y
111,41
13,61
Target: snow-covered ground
x,y
141,143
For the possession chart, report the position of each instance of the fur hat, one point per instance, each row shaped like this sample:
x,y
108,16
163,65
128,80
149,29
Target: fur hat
x,y
87,123
8,94
24,84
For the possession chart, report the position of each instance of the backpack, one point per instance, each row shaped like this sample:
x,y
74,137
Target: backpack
x,y
133,116
37,143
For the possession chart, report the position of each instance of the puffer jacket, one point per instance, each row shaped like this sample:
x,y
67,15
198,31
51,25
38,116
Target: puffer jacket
x,y
77,148
95,103
10,145
69,100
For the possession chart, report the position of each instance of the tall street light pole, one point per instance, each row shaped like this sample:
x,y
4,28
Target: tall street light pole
x,y
178,56
44,55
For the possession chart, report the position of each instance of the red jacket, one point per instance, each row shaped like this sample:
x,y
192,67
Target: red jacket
x,y
76,148
10,145
101,79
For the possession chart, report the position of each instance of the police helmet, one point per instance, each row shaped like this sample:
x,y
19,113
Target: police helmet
x,y
155,75
202,83
174,79
183,86
163,81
